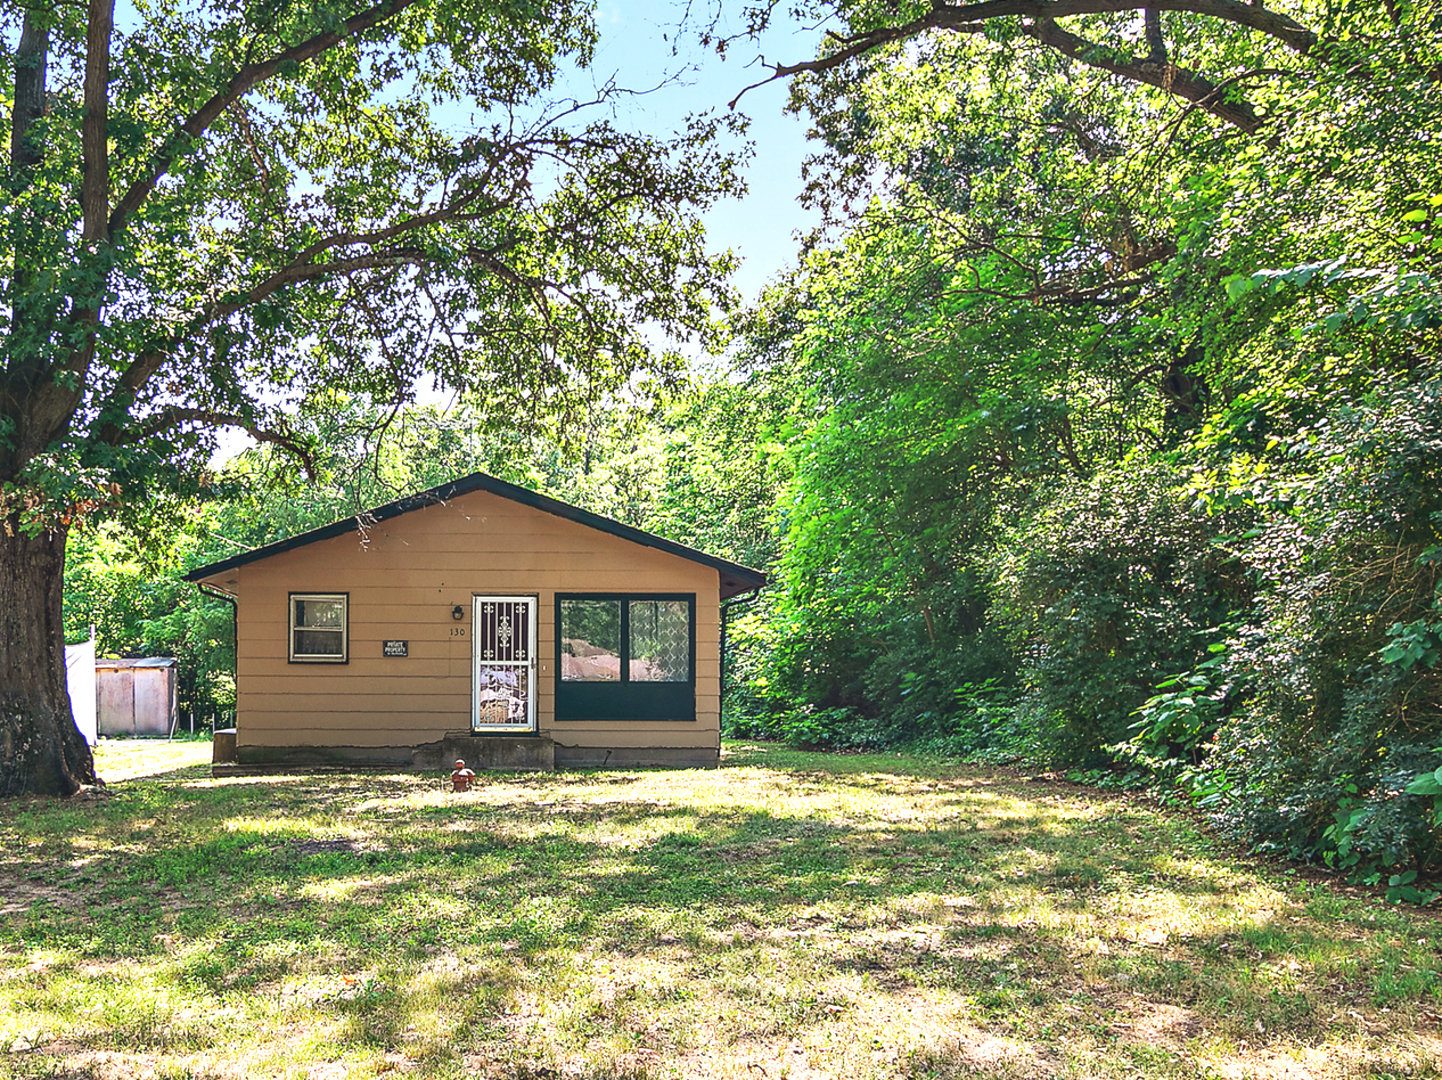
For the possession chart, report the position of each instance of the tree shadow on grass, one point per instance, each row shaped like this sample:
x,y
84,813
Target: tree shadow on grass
x,y
714,864
1013,913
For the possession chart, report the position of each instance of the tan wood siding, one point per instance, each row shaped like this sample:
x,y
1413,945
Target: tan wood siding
x,y
402,582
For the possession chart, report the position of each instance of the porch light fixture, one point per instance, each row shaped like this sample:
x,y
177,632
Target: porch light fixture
x,y
458,613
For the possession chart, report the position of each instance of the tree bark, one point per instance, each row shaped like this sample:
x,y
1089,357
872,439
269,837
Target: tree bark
x,y
31,58
23,228
41,750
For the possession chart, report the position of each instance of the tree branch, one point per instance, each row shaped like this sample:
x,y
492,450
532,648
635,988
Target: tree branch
x,y
1156,44
133,379
244,80
460,205
31,57
1253,16
95,134
148,363
1190,86
972,19
54,399
172,416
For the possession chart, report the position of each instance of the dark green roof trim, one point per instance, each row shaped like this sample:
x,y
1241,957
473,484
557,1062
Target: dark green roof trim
x,y
735,578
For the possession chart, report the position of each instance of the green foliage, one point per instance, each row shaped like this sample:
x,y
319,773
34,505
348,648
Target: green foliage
x,y
1429,784
1340,709
1401,888
326,224
986,728
1112,584
129,590
1101,388
1412,644
1175,727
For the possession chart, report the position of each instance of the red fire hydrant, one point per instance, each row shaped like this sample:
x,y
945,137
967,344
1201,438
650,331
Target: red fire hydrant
x,y
461,778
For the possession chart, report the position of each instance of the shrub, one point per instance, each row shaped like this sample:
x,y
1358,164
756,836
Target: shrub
x,y
1111,586
1342,705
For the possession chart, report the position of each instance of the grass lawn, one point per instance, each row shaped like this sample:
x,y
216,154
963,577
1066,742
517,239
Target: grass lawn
x,y
788,915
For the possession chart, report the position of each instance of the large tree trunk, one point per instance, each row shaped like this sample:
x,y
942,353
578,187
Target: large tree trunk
x,y
41,750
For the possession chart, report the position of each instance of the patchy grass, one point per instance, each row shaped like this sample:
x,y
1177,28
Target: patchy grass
x,y
130,759
788,915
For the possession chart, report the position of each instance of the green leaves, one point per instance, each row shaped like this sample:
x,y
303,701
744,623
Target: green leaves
x,y
1399,300
1416,643
288,228
1118,375
1401,890
1426,784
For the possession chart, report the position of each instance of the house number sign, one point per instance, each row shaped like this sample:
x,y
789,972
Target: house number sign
x,y
397,648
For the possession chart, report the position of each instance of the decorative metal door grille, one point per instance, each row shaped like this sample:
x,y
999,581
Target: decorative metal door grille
x,y
504,644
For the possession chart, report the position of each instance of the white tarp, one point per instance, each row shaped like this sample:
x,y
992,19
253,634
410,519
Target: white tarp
x,y
80,681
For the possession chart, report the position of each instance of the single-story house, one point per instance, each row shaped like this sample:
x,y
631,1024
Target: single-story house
x,y
478,620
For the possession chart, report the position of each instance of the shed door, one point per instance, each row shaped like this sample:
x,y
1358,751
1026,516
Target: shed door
x,y
152,701
503,694
115,704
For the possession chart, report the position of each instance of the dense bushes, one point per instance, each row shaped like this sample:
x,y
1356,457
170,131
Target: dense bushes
x,y
1274,656
1339,700
893,682
1111,586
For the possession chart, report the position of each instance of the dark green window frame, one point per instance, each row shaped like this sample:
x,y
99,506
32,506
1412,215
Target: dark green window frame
x,y
625,699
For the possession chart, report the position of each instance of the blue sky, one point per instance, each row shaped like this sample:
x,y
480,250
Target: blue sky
x,y
762,226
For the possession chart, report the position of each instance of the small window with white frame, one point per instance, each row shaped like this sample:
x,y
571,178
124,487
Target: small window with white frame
x,y
318,623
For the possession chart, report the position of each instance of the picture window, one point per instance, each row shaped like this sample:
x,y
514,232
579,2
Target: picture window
x,y
626,639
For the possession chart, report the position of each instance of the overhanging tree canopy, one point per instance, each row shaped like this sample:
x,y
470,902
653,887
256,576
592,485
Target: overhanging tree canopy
x,y
219,209
1211,69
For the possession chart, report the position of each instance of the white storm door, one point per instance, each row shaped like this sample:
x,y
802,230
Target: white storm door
x,y
503,649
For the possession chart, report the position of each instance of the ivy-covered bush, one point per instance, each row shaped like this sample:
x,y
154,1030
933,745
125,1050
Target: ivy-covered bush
x,y
1112,586
1339,693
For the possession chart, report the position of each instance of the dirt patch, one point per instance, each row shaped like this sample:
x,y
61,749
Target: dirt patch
x,y
1170,1025
1309,1064
21,899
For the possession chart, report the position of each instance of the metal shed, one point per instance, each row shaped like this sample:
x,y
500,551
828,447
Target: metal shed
x,y
136,697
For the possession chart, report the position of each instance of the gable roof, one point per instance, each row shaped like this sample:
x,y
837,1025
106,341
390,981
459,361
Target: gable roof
x,y
735,578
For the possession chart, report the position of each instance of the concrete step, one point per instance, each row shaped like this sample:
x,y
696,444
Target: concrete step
x,y
491,753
